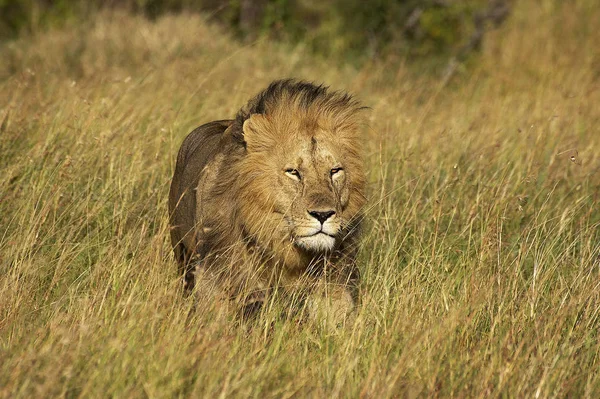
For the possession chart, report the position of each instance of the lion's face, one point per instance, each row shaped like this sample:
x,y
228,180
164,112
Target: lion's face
x,y
314,191
304,189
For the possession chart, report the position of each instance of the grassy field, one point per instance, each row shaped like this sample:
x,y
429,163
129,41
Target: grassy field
x,y
481,259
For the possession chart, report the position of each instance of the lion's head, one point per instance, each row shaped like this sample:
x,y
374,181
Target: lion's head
x,y
301,179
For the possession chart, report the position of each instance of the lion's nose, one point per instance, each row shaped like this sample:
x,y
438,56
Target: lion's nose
x,y
321,216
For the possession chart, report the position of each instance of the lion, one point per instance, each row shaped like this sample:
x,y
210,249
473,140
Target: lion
x,y
273,200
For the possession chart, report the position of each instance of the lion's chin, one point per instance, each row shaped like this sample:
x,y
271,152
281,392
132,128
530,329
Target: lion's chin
x,y
319,242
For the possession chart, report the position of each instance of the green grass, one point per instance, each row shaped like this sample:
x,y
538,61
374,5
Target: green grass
x,y
481,259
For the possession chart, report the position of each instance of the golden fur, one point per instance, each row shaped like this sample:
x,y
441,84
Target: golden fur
x,y
273,197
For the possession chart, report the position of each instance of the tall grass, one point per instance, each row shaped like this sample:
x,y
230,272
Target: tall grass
x,y
480,263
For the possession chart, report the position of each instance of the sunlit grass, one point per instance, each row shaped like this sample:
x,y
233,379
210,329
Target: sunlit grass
x,y
480,261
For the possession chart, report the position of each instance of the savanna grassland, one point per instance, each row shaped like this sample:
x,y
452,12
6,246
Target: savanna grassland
x,y
481,255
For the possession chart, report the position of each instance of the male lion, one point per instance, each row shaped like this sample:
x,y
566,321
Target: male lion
x,y
272,200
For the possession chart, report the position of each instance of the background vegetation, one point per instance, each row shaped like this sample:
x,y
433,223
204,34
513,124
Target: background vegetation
x,y
481,262
353,29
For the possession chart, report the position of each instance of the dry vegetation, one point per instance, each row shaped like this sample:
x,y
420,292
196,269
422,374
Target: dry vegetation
x,y
481,262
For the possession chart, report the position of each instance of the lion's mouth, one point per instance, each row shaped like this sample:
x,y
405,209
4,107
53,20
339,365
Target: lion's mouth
x,y
316,234
316,242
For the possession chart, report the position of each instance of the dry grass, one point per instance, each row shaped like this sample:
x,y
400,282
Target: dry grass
x,y
481,262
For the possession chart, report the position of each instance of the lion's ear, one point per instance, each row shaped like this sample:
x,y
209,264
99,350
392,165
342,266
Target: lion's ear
x,y
256,132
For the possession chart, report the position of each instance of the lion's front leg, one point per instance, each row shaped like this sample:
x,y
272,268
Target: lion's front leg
x,y
331,305
226,299
334,299
211,294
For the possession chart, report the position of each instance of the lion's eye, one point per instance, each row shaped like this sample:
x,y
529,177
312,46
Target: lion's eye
x,y
293,173
335,171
